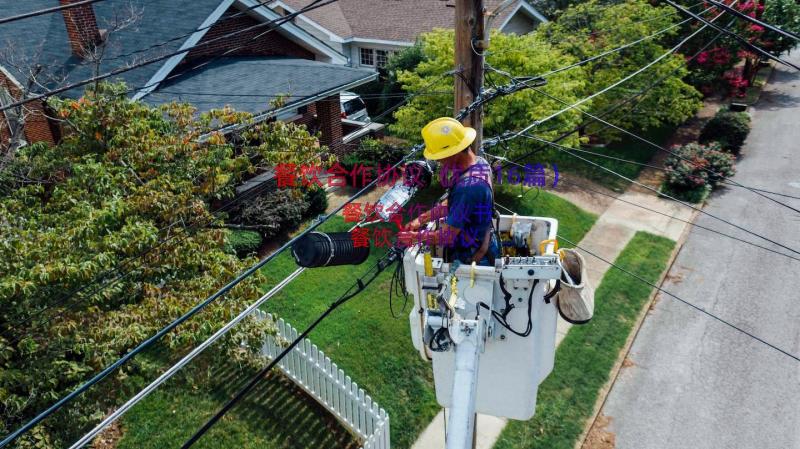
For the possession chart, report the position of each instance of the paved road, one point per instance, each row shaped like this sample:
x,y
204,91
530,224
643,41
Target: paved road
x,y
696,383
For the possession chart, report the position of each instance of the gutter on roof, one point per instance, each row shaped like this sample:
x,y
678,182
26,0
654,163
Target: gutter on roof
x,y
377,41
10,77
297,104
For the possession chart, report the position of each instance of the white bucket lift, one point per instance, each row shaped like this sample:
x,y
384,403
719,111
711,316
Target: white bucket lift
x,y
490,331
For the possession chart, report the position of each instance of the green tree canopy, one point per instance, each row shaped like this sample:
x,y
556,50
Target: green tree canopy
x,y
124,201
527,55
591,28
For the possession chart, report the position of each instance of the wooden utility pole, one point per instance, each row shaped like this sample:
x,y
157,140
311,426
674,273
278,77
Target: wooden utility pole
x,y
470,34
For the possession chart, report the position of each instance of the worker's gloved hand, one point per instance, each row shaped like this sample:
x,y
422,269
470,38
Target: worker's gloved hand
x,y
413,225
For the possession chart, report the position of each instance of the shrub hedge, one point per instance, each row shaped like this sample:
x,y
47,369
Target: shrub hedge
x,y
275,211
371,154
728,128
317,201
243,242
688,171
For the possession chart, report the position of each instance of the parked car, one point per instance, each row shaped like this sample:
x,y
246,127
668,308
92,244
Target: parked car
x,y
353,107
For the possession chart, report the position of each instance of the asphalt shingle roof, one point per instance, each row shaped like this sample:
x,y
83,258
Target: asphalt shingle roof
x,y
392,20
248,84
43,39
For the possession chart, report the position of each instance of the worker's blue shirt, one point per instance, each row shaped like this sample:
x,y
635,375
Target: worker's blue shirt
x,y
469,208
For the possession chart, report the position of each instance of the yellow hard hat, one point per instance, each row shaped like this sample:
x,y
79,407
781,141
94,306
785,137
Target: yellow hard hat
x,y
445,137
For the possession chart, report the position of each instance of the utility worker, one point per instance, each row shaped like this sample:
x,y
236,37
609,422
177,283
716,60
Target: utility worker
x,y
466,230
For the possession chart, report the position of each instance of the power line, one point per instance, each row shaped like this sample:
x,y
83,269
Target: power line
x,y
618,49
568,150
754,20
216,94
668,151
40,12
313,5
605,30
185,35
596,118
640,94
620,199
776,193
613,85
739,38
672,295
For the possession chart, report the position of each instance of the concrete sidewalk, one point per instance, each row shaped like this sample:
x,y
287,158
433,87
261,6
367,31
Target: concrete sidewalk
x,y
608,237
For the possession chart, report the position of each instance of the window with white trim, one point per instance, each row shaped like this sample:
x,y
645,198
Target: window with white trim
x,y
381,58
367,56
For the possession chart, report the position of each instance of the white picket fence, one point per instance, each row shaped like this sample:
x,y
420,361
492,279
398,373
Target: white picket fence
x,y
317,375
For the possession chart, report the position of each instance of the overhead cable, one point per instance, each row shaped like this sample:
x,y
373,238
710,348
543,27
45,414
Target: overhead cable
x,y
618,49
615,84
40,12
620,199
172,370
694,163
754,20
568,150
674,296
739,38
640,94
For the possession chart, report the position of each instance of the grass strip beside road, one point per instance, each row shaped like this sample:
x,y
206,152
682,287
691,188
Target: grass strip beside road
x,y
584,359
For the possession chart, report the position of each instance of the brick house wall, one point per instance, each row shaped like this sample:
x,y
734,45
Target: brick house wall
x,y
270,44
37,126
309,118
329,113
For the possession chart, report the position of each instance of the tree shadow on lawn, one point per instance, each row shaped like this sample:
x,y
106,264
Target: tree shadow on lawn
x,y
282,411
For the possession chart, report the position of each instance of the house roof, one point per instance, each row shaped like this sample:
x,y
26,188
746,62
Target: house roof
x,y
43,39
161,27
389,20
248,84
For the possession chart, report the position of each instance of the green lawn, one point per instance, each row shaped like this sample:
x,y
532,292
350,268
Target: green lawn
x,y
627,148
276,415
573,222
584,359
361,337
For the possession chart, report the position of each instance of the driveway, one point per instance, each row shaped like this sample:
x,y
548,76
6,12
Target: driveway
x,y
694,382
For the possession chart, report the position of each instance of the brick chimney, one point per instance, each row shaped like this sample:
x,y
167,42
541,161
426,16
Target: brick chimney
x,y
82,28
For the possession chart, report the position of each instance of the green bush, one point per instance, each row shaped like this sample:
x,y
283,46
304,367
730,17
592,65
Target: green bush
x,y
275,211
728,128
317,201
371,154
243,242
688,171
